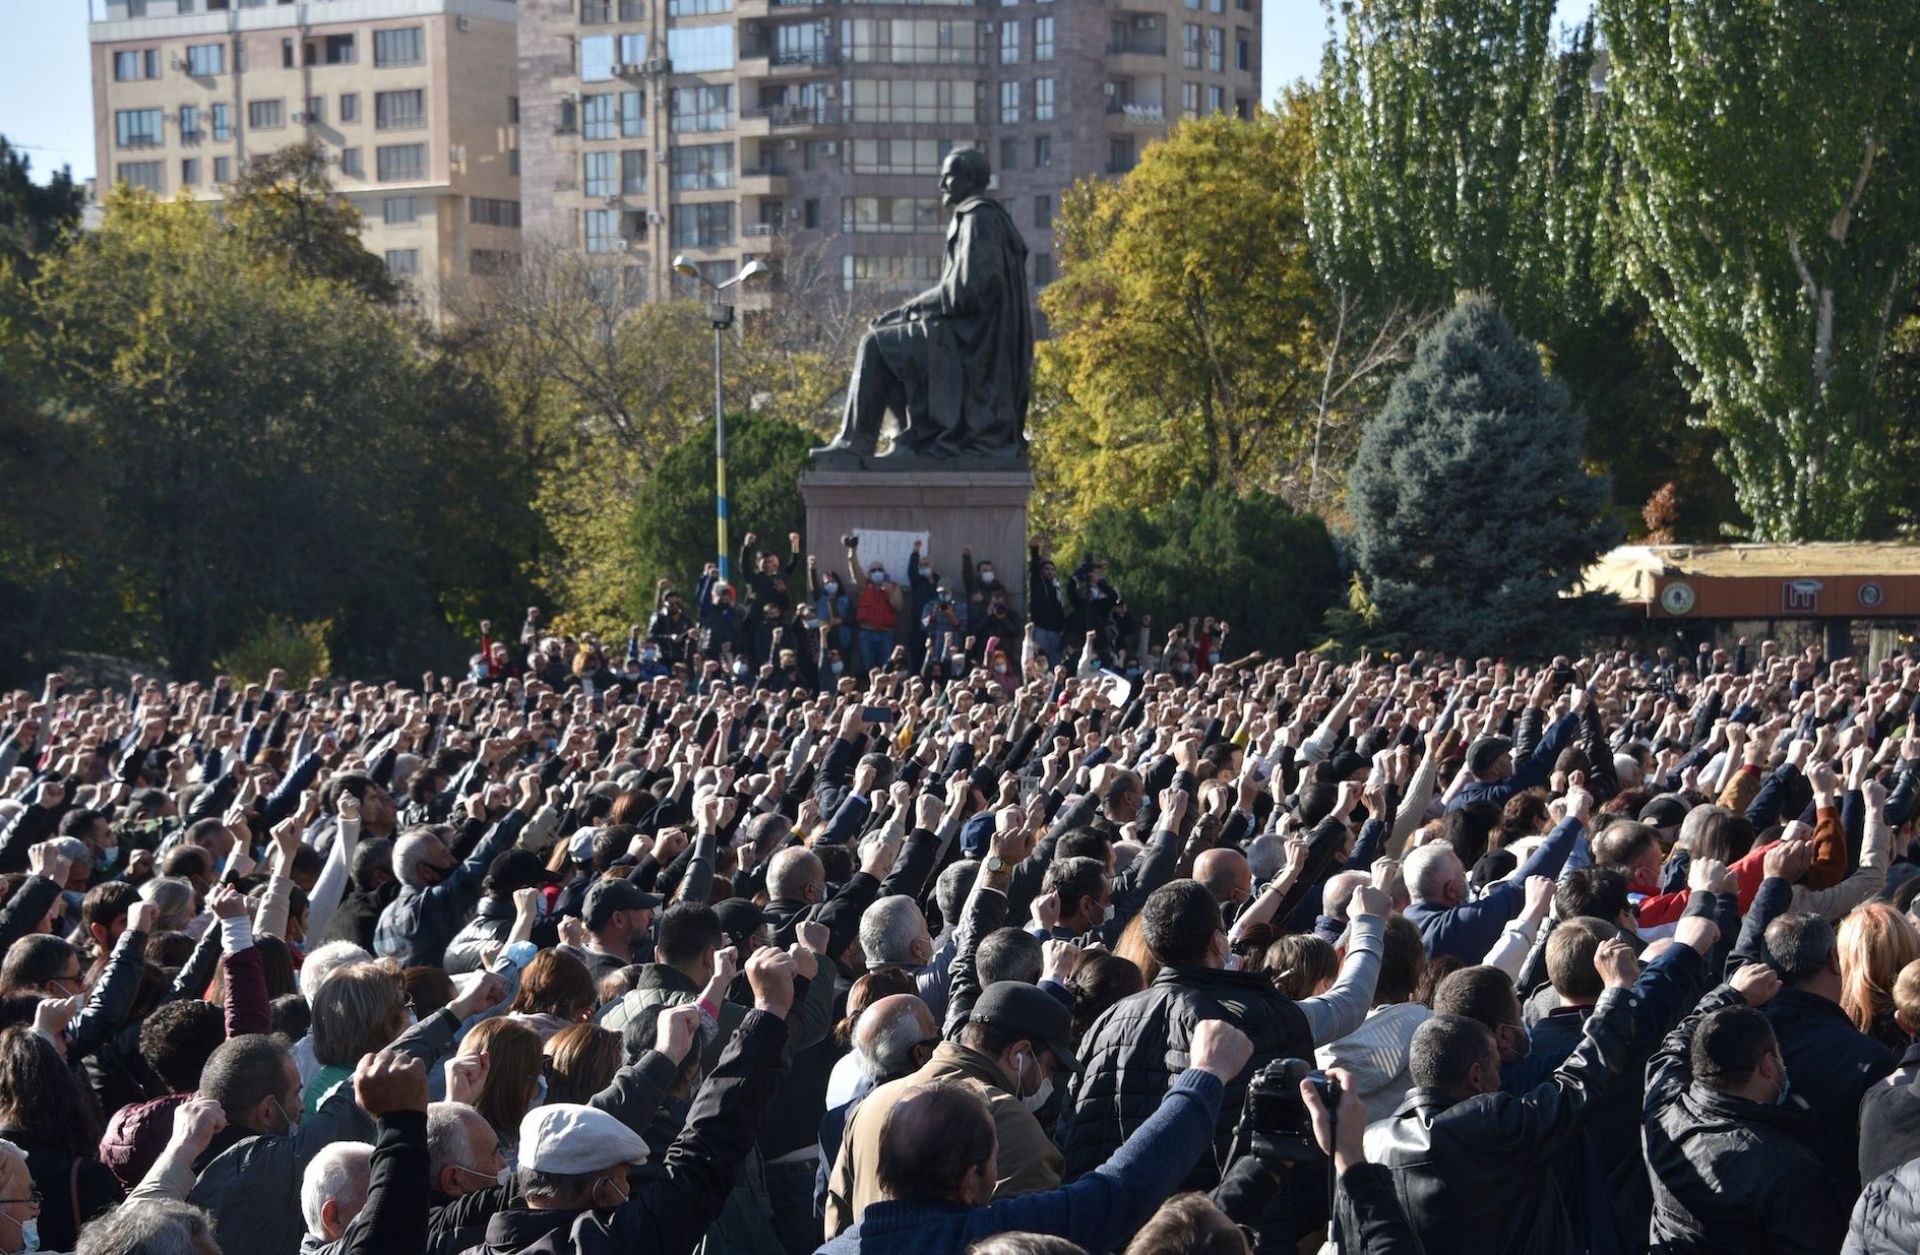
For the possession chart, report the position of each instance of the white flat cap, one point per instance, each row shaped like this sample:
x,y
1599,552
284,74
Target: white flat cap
x,y
570,1138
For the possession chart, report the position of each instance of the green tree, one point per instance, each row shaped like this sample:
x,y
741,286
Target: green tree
x,y
31,216
1246,558
1771,209
1472,514
673,534
1185,321
283,204
1457,146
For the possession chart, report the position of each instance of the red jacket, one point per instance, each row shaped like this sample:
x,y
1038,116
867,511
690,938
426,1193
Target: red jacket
x,y
876,608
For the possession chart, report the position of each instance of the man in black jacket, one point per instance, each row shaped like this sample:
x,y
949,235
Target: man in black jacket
x,y
1473,1165
1727,1146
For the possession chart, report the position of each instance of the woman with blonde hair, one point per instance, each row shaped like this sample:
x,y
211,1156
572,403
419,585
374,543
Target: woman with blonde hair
x,y
581,1061
1875,942
513,1077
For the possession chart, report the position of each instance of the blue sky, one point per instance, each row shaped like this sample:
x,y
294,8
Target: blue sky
x,y
46,98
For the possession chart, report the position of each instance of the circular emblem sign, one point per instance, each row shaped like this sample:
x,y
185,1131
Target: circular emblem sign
x,y
1677,598
1871,595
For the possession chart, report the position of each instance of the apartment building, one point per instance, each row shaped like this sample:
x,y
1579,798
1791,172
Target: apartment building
x,y
414,101
731,129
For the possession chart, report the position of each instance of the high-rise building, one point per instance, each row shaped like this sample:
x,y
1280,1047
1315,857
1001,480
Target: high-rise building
x,y
729,129
414,101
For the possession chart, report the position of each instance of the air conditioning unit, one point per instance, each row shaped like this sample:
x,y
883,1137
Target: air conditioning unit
x,y
986,28
613,202
830,148
618,69
653,218
792,145
465,23
573,98
179,63
658,65
457,153
661,157
299,116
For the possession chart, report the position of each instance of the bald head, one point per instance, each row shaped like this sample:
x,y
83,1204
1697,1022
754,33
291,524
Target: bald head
x,y
938,1145
796,875
1226,875
893,1036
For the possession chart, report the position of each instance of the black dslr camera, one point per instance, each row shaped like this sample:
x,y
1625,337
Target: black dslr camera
x,y
1276,1124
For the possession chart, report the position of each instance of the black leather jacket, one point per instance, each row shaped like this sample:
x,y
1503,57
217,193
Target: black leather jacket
x,y
1477,1175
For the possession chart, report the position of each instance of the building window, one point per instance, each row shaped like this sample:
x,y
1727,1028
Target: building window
x,y
702,226
1216,50
633,115
400,211
1043,39
399,111
190,132
596,12
287,59
1191,38
603,230
146,174
1216,100
694,8
633,10
800,43
333,50
206,60
600,116
132,66
1009,149
513,111
1243,108
1009,103
349,107
1043,100
190,172
910,41
1242,52
1042,152
395,163
633,171
907,101
266,115
598,173
350,163
1043,212
1119,154
137,128
596,59
633,49
887,272
1010,41
700,167
316,110
904,156
490,211
1190,100
700,109
403,263
810,213
889,215
700,49
222,170
513,162
222,121
401,46
1042,269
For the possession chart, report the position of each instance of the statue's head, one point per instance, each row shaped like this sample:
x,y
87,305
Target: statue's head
x,y
963,174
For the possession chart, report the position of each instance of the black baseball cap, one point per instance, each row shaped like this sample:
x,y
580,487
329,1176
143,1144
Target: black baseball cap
x,y
615,893
1031,1012
1485,752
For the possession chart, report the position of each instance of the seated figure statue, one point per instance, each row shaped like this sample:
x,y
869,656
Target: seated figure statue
x,y
955,363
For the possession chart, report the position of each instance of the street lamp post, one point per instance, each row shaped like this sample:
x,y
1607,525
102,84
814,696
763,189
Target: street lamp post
x,y
720,318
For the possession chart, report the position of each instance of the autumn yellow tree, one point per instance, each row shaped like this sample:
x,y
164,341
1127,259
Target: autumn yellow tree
x,y
1191,333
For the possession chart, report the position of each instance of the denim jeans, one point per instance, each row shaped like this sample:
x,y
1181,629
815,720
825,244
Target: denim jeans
x,y
875,648
790,1191
1048,642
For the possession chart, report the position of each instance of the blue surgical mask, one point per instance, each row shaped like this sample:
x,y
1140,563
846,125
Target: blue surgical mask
x,y
108,857
832,586
29,1233
838,666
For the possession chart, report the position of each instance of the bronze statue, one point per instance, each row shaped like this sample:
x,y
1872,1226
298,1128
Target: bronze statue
x,y
955,363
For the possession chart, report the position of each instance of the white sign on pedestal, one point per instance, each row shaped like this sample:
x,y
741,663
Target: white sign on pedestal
x,y
891,550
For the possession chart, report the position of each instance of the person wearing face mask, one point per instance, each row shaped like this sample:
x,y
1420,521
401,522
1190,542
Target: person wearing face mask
x,y
879,608
1731,1148
1017,1038
1473,1164
832,605
19,1203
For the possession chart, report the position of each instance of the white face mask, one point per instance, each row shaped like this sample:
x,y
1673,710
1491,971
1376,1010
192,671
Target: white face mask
x,y
1038,1098
1107,916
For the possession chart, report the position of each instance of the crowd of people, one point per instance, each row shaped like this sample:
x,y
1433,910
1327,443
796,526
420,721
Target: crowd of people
x,y
925,941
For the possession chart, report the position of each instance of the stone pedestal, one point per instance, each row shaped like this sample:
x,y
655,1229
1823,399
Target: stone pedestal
x,y
984,510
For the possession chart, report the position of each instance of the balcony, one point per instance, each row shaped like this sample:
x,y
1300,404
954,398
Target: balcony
x,y
762,230
763,181
744,10
786,62
788,119
1144,54
1137,114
